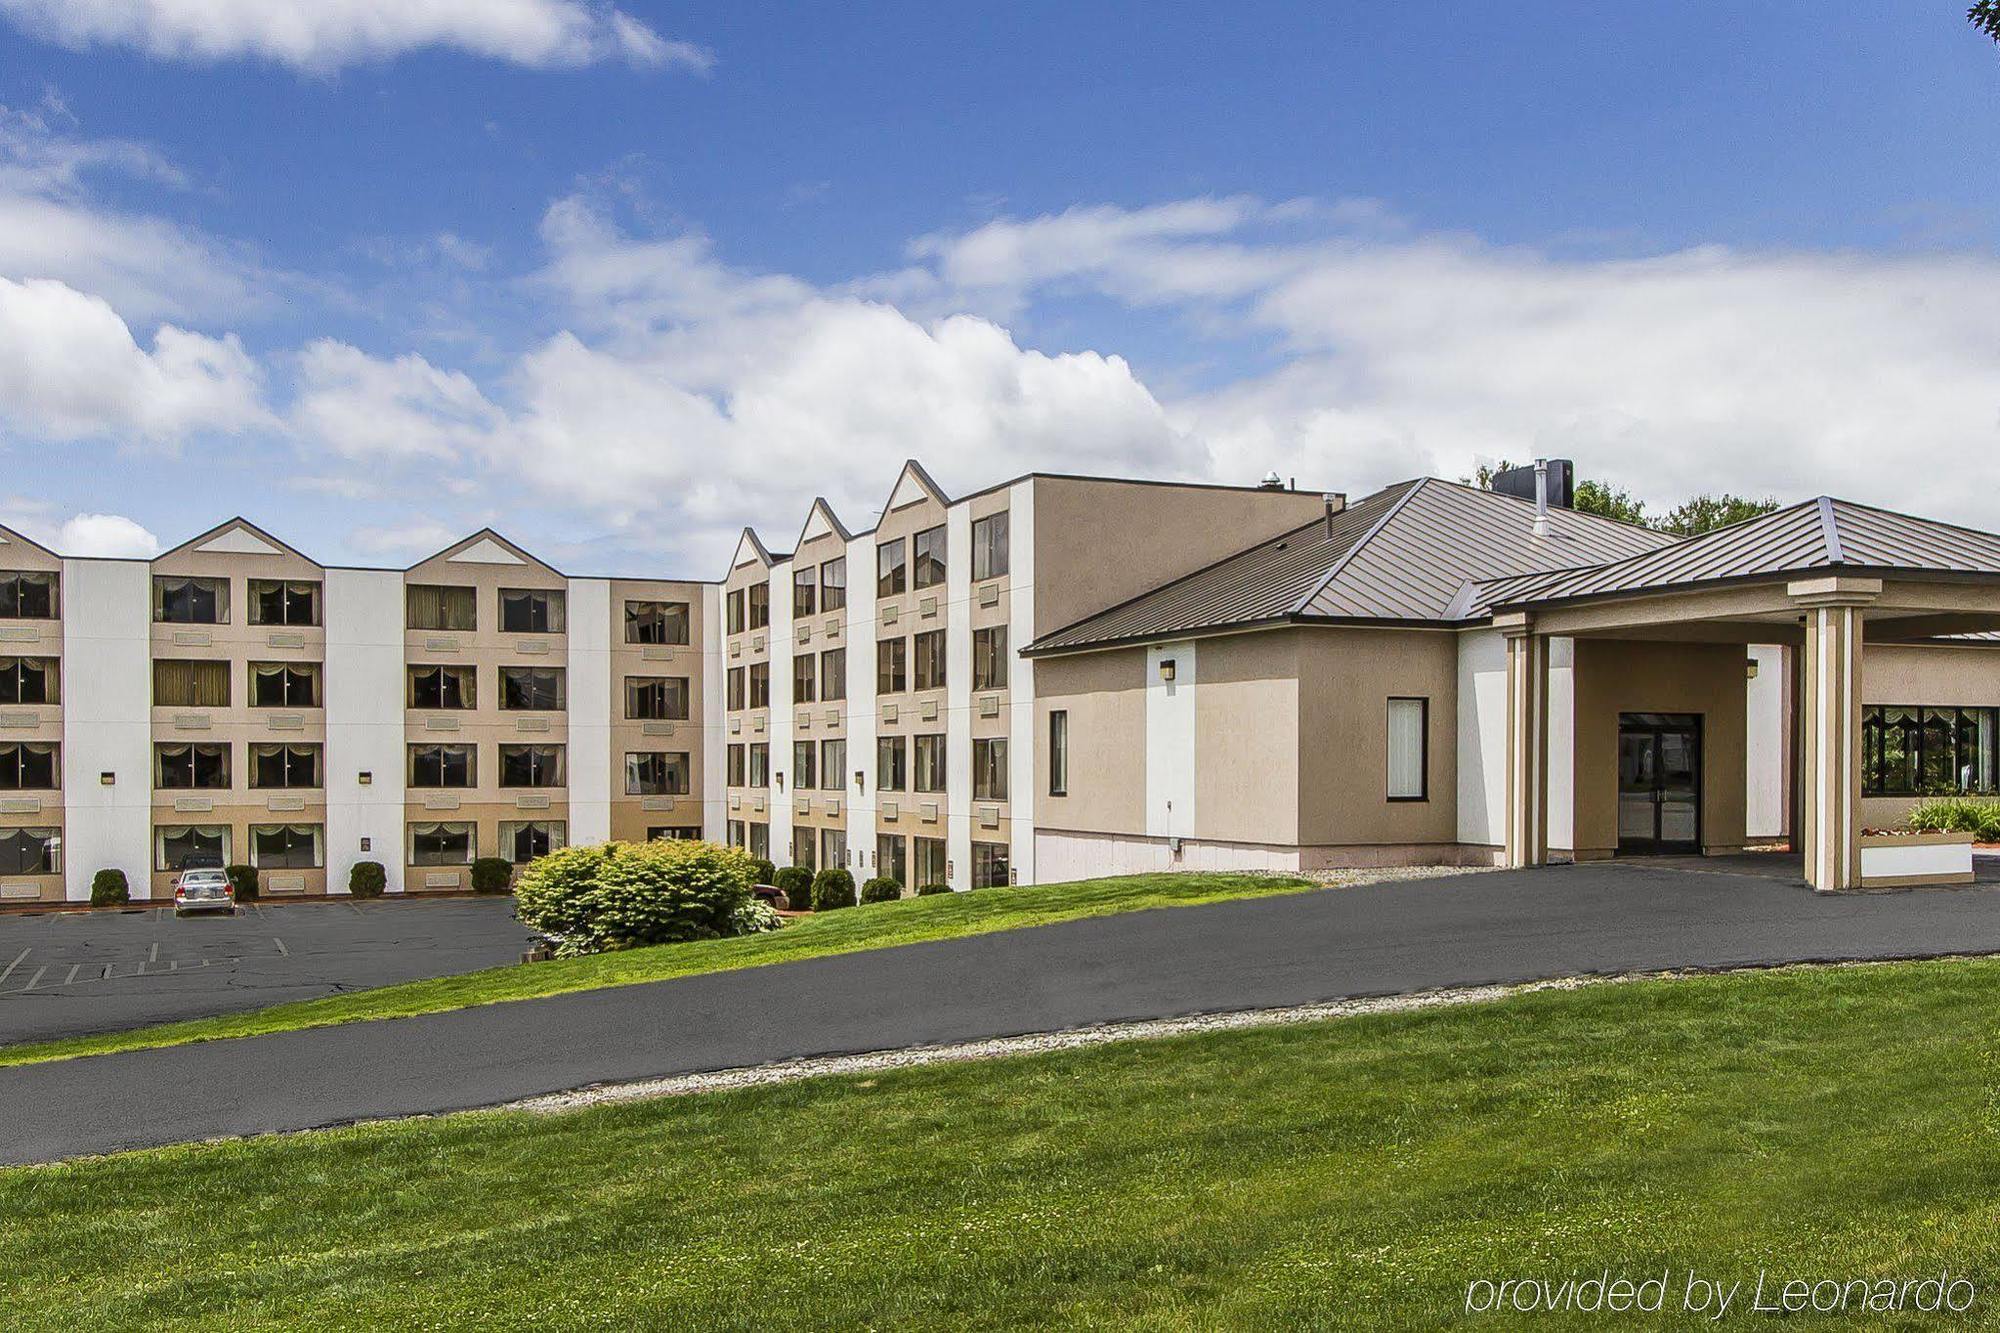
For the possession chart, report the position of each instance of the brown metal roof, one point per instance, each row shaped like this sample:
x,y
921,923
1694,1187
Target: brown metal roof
x,y
1406,553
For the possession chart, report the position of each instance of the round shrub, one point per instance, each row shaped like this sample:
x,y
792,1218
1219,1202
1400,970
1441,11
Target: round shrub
x,y
108,888
243,879
620,895
797,882
932,890
764,871
367,879
755,918
833,888
881,889
491,874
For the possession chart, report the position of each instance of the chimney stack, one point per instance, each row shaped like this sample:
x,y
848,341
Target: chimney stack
x,y
1541,497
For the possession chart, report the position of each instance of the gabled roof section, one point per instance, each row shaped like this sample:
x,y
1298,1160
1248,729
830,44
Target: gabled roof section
x,y
487,547
237,536
1406,553
1818,535
821,521
749,550
12,540
914,485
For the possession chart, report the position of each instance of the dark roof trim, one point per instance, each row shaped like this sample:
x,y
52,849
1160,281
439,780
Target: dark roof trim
x,y
1291,620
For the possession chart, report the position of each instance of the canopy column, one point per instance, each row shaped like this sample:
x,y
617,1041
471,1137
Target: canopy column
x,y
1527,742
1830,710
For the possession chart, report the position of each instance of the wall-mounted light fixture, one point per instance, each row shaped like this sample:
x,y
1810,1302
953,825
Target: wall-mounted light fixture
x,y
108,779
861,781
1166,668
365,777
367,844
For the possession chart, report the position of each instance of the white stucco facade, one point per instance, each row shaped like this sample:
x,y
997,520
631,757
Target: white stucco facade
x,y
364,723
107,751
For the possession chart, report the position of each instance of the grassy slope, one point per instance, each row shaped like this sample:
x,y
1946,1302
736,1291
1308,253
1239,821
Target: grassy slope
x,y
875,926
1344,1174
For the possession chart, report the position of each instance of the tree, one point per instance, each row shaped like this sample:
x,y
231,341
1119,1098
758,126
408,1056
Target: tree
x,y
1985,16
1692,517
1607,501
1705,513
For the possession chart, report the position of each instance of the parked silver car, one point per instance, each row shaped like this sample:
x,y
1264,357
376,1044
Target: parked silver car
x,y
203,891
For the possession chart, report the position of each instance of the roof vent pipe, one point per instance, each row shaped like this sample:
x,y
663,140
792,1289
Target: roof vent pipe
x,y
1541,497
1333,505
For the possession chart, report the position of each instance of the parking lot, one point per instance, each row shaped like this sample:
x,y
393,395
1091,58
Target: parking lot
x,y
64,974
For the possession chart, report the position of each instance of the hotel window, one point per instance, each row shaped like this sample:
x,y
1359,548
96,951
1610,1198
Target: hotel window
x,y
833,765
531,611
656,622
531,689
531,765
928,549
805,853
174,844
656,773
989,769
805,587
930,659
190,767
892,858
181,601
26,596
737,696
760,841
932,867
805,678
928,754
284,685
283,602
444,766
286,846
1409,749
739,767
522,841
33,680
892,660
736,831
833,675
892,758
833,584
833,846
989,865
281,767
442,844
1059,752
989,658
30,851
179,683
989,547
760,764
439,607
891,571
29,766
656,698
760,685
451,687
680,833
760,605
1908,750
803,778
736,611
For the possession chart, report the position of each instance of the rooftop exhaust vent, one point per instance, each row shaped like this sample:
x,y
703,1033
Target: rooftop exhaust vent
x,y
1519,482
1272,482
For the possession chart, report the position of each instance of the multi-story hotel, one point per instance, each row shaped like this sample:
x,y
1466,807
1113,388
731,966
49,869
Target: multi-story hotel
x,y
1051,678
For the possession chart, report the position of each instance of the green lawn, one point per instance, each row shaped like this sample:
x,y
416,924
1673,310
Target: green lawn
x,y
1829,1122
875,926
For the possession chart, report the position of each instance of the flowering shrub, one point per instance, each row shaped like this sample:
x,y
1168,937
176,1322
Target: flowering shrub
x,y
755,918
620,895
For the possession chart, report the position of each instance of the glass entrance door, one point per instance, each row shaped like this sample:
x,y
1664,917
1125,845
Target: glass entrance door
x,y
1659,783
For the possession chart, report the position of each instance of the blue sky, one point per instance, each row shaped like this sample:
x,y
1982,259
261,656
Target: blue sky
x,y
376,276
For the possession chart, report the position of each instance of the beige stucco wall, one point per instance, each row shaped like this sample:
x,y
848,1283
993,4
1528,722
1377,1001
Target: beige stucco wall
x,y
631,816
1247,733
1622,676
1105,695
1346,679
40,724
1923,674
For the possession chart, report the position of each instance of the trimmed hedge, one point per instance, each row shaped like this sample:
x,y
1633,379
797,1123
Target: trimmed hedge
x,y
764,871
622,895
833,888
932,890
797,883
367,879
881,889
108,888
243,879
492,874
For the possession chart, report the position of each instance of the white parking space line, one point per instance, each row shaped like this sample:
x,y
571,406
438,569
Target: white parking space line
x,y
74,968
16,963
283,952
35,980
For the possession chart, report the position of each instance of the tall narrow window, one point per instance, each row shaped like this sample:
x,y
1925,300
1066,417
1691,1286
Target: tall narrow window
x,y
932,866
927,557
25,596
1059,752
833,765
928,754
178,683
805,849
760,764
736,614
892,666
33,680
892,758
833,675
833,584
531,611
989,547
989,769
760,605
738,768
738,696
760,841
989,658
929,648
438,607
283,602
803,776
833,847
891,569
656,622
188,601
1409,725
532,689
989,865
805,678
805,592
760,685
892,857
284,685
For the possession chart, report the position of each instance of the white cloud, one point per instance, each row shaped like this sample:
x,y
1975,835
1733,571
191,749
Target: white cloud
x,y
418,537
364,407
324,35
70,369
111,535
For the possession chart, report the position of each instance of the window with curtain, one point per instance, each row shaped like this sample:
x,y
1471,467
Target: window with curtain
x,y
181,766
30,851
892,758
656,773
283,602
737,616
989,547
656,622
833,847
892,662
182,683
25,596
436,606
688,833
738,696
929,652
892,571
525,840
1409,749
760,841
759,596
448,687
449,766
30,766
833,765
29,680
805,849
927,558
892,858
805,592
760,764
760,685
190,601
989,769
285,766
739,766
656,698
833,584
989,865
805,678
284,685
531,765
174,844
736,832
531,611
932,865
1912,750
532,689
804,778
286,846
1059,752
989,658
833,675
444,844
927,754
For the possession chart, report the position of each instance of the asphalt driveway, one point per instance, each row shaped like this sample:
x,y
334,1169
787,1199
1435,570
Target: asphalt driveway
x,y
65,974
1381,939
